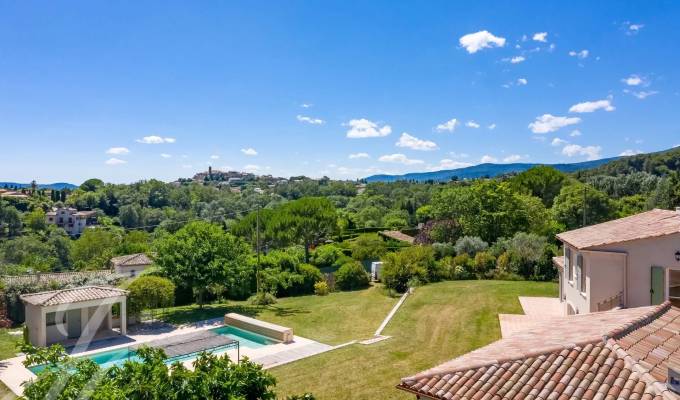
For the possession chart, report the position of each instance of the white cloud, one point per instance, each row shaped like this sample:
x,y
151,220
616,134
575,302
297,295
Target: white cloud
x,y
473,42
472,124
488,159
120,151
449,125
591,152
254,168
459,155
165,155
363,128
591,106
449,164
522,81
512,158
306,105
633,80
630,153
214,157
557,142
579,54
249,151
359,155
633,29
399,159
412,142
643,94
115,161
575,133
551,47
550,123
517,59
310,120
153,139
491,127
541,36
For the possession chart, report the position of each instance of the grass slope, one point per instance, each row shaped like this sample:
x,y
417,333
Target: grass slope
x,y
333,319
439,322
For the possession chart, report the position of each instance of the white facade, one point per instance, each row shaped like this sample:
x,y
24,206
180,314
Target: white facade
x,y
74,222
620,274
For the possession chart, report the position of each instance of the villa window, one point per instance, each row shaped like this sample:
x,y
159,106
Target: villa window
x,y
567,264
51,319
580,270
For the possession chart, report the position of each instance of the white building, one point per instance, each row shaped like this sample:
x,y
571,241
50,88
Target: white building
x,y
74,222
628,262
131,264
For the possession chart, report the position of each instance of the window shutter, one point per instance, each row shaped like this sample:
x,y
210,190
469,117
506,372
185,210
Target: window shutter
x,y
567,263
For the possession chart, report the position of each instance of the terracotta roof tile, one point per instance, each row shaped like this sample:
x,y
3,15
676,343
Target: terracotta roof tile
x,y
131,260
645,225
578,357
68,296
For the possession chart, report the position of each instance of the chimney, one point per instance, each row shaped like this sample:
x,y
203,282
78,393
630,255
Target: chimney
x,y
677,210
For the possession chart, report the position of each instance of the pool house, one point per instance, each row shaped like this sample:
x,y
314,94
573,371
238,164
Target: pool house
x,y
78,314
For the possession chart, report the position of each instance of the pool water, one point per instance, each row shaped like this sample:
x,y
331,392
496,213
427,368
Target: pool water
x,y
107,359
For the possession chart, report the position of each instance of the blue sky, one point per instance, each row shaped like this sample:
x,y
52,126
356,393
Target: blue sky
x,y
127,91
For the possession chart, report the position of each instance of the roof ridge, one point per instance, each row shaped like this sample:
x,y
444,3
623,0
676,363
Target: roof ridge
x,y
638,322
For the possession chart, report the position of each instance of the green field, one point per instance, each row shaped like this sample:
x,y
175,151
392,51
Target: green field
x,y
439,322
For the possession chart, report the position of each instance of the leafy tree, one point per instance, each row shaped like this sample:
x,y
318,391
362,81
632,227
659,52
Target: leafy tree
x,y
202,254
133,242
10,220
30,251
94,248
212,377
35,220
91,185
129,216
542,181
305,221
568,207
150,292
351,276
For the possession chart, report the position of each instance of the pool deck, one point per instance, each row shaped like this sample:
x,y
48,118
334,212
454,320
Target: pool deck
x,y
13,373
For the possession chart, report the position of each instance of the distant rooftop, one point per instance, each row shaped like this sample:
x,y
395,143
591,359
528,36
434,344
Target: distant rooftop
x,y
650,224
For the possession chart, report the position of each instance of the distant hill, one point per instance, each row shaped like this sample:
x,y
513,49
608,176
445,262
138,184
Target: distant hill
x,y
659,163
52,186
485,170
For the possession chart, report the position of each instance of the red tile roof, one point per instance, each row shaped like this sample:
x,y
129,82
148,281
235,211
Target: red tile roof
x,y
622,354
131,260
645,225
75,295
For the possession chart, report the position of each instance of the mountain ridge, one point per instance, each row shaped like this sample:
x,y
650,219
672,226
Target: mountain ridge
x,y
485,170
52,186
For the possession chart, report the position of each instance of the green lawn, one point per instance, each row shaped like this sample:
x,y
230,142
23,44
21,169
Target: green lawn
x,y
439,322
333,319
8,343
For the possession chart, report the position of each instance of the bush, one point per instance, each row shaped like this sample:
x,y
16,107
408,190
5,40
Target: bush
x,y
412,262
321,288
327,255
470,245
149,292
351,276
262,299
484,262
310,277
442,250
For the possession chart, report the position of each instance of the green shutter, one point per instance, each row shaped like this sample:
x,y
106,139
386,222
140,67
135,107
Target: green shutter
x,y
658,288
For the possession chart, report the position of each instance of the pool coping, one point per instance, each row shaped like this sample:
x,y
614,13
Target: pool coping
x,y
13,373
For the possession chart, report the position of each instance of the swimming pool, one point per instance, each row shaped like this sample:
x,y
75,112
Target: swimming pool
x,y
107,359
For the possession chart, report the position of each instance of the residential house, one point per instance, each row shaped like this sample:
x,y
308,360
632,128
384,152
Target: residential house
x,y
618,354
628,262
6,193
74,222
131,264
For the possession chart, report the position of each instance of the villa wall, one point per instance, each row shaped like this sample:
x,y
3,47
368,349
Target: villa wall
x,y
642,255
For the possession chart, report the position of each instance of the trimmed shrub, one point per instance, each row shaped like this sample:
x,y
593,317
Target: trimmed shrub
x,y
149,292
321,289
262,299
351,276
484,262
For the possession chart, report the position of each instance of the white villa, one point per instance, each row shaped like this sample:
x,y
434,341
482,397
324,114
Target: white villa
x,y
80,313
629,262
71,220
